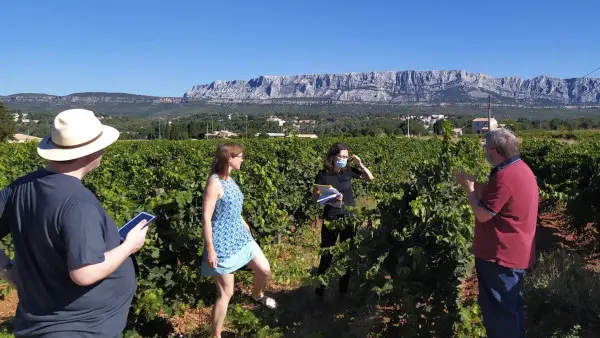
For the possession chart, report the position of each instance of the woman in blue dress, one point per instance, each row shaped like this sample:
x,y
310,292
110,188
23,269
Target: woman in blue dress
x,y
228,244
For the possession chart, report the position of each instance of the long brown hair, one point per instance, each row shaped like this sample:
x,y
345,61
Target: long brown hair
x,y
334,150
225,151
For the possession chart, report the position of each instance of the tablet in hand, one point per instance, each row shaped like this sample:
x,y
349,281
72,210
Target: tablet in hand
x,y
124,230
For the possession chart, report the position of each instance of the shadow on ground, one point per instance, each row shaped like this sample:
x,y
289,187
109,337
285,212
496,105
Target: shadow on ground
x,y
561,293
302,314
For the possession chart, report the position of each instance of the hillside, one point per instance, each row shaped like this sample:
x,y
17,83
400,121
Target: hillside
x,y
404,92
104,103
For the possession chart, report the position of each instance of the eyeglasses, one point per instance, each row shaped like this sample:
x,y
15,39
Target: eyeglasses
x,y
240,156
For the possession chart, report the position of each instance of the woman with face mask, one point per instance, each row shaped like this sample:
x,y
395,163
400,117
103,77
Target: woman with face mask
x,y
338,174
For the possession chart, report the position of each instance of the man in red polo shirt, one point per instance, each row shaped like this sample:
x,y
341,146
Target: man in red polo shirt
x,y
506,211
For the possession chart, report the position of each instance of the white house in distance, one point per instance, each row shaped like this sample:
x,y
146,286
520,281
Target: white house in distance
x,y
20,138
289,135
426,120
306,136
480,125
279,121
22,118
221,134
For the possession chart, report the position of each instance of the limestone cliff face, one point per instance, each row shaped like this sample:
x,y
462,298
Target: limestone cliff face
x,y
403,87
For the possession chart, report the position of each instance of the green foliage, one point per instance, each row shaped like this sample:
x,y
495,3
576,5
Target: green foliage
x,y
7,124
572,135
470,323
248,325
561,292
414,226
167,178
427,234
568,173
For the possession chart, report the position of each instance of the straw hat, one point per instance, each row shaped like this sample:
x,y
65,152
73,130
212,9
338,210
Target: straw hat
x,y
76,133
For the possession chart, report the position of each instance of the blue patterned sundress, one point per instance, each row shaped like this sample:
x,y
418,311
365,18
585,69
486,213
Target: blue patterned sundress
x,y
233,244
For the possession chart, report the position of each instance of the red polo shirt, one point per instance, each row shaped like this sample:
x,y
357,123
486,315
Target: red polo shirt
x,y
512,197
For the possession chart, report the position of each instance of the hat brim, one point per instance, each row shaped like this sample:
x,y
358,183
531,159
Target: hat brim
x,y
49,151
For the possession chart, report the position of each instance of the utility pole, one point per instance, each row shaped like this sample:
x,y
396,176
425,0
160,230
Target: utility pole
x,y
489,113
408,126
246,126
159,127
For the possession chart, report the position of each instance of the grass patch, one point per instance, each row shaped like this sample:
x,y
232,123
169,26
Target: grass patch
x,y
560,292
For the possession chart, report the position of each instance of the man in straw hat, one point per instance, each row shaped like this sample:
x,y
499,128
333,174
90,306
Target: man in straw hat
x,y
73,275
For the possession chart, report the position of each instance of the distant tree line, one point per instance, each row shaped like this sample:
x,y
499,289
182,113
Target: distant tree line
x,y
554,124
352,123
7,124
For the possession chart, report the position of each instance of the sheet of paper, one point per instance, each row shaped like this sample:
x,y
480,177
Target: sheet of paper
x,y
328,196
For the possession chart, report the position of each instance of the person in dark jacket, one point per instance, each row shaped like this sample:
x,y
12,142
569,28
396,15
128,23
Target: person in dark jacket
x,y
336,218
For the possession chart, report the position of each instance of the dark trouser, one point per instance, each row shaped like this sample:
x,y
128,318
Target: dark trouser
x,y
328,239
501,300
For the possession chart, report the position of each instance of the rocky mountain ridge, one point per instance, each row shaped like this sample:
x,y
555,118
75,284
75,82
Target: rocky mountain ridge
x,y
386,90
403,87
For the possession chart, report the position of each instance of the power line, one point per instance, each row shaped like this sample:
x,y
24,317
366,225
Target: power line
x,y
592,72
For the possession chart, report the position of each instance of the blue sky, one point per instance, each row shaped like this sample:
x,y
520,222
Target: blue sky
x,y
149,47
